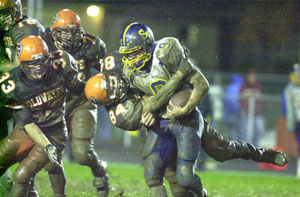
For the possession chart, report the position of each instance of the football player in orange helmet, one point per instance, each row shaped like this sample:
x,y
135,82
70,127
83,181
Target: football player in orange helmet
x,y
38,86
66,33
14,26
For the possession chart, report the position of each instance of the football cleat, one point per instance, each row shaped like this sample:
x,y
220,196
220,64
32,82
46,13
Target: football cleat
x,y
273,156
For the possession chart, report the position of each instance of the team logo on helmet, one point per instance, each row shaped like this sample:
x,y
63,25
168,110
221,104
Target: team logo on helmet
x,y
19,49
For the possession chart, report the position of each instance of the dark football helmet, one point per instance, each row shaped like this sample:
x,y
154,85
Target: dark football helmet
x,y
137,45
10,13
105,89
295,75
33,56
67,31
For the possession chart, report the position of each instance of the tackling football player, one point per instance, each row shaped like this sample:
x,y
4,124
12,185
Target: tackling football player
x,y
38,89
66,33
149,65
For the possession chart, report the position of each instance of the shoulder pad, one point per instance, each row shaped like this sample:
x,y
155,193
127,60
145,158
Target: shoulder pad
x,y
26,27
112,63
168,45
93,47
170,52
47,37
62,60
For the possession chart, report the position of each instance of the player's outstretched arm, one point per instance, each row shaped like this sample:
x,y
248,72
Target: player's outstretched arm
x,y
38,137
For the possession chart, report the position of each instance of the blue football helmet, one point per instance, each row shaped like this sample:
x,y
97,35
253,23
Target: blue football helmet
x,y
137,45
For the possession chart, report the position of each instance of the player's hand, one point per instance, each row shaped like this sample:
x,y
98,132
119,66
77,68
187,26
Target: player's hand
x,y
148,119
52,153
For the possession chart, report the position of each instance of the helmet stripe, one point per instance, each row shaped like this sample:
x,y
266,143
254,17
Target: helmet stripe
x,y
124,34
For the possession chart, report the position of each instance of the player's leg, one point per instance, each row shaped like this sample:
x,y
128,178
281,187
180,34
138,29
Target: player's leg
x,y
13,148
217,147
31,190
83,126
5,183
188,139
58,137
297,135
27,169
170,175
157,152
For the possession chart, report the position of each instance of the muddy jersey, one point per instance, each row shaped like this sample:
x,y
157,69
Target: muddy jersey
x,y
167,56
88,60
41,102
23,28
125,114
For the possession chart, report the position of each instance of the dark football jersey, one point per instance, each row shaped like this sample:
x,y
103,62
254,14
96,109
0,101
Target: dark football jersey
x,y
23,28
88,59
41,102
125,114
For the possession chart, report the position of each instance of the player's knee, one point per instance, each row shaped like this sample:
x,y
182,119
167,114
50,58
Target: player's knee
x,y
152,172
83,125
52,168
185,174
170,176
24,171
82,151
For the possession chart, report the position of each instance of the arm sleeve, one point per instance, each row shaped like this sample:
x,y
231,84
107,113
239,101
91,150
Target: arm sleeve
x,y
95,51
174,55
70,74
27,27
23,117
126,115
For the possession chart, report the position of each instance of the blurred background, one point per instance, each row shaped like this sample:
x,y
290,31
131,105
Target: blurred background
x,y
233,42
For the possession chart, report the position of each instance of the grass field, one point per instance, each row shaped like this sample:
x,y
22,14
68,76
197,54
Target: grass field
x,y
127,179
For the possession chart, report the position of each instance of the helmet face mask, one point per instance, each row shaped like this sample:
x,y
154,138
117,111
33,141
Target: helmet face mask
x,y
137,45
104,89
7,18
35,69
10,13
69,39
67,31
33,56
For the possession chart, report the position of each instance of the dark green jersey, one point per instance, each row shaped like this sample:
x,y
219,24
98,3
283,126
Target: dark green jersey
x,y
88,59
23,28
41,102
125,114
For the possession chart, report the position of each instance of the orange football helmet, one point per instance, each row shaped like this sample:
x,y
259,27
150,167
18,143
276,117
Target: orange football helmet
x,y
67,30
105,89
33,56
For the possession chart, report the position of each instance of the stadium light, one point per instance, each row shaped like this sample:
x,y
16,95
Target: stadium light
x,y
93,11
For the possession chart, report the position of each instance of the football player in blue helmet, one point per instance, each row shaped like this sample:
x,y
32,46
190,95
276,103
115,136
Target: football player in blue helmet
x,y
137,43
149,67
